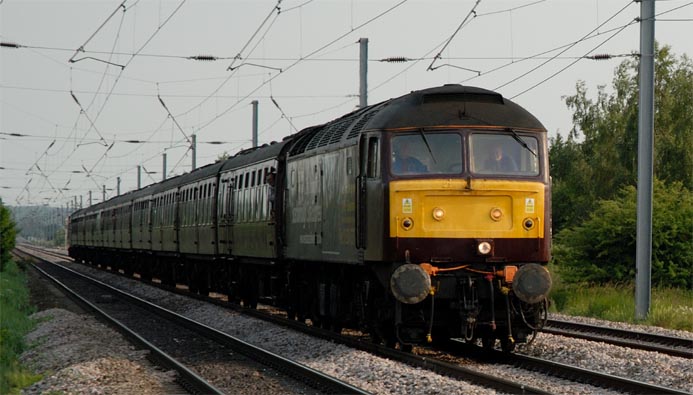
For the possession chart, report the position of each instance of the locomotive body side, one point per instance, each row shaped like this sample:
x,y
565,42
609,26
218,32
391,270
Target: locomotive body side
x,y
321,211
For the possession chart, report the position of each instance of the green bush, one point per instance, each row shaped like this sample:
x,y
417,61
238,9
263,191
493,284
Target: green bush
x,y
7,235
14,324
602,248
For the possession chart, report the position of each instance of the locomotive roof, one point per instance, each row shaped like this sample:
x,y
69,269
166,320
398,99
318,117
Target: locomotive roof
x,y
448,105
453,105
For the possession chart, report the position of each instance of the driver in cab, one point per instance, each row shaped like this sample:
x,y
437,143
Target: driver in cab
x,y
405,160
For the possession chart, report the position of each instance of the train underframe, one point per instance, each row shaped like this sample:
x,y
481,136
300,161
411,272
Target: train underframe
x,y
467,306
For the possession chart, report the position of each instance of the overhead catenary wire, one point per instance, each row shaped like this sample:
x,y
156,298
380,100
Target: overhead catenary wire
x,y
115,83
84,112
283,114
540,55
425,56
239,56
314,52
173,119
81,47
569,65
515,61
292,65
464,21
510,9
127,141
564,50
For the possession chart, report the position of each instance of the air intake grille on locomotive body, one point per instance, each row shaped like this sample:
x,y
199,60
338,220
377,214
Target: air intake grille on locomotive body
x,y
333,132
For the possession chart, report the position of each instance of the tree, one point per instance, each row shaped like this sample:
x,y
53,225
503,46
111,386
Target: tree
x,y
599,155
7,235
602,248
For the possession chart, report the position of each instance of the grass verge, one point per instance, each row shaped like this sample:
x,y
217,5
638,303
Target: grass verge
x,y
14,324
669,308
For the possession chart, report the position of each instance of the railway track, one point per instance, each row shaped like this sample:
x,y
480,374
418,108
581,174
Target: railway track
x,y
557,370
669,345
188,380
450,370
641,340
563,371
177,341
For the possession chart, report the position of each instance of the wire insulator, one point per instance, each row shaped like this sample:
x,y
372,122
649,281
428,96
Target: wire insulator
x,y
204,58
601,57
395,59
9,45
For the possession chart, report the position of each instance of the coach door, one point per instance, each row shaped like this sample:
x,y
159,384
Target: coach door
x,y
225,214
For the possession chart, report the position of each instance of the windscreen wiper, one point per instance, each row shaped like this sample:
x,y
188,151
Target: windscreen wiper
x,y
521,142
423,136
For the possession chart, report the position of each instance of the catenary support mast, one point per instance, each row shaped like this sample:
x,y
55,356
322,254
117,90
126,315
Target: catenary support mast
x,y
643,253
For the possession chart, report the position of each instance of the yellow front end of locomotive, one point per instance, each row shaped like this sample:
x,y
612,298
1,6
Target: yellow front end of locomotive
x,y
458,208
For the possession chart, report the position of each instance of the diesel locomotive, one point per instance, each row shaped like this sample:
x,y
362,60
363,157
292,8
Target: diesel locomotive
x,y
421,218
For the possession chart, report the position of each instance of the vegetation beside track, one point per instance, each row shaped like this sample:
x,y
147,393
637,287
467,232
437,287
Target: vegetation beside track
x,y
14,312
670,308
14,324
594,172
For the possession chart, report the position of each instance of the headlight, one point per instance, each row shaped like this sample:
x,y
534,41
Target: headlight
x,y
484,248
438,214
496,214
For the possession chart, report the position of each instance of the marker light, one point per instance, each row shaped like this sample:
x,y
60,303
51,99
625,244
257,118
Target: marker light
x,y
407,223
438,214
496,214
484,248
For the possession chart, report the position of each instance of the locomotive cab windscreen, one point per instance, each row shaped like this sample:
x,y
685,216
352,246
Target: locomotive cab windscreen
x,y
503,154
426,153
441,153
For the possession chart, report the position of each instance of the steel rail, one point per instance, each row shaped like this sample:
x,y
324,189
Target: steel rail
x,y
308,375
187,378
561,370
586,376
634,339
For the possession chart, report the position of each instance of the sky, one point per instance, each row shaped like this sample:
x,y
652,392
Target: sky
x,y
90,89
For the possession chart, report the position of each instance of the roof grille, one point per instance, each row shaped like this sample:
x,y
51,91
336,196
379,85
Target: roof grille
x,y
302,142
333,132
356,130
